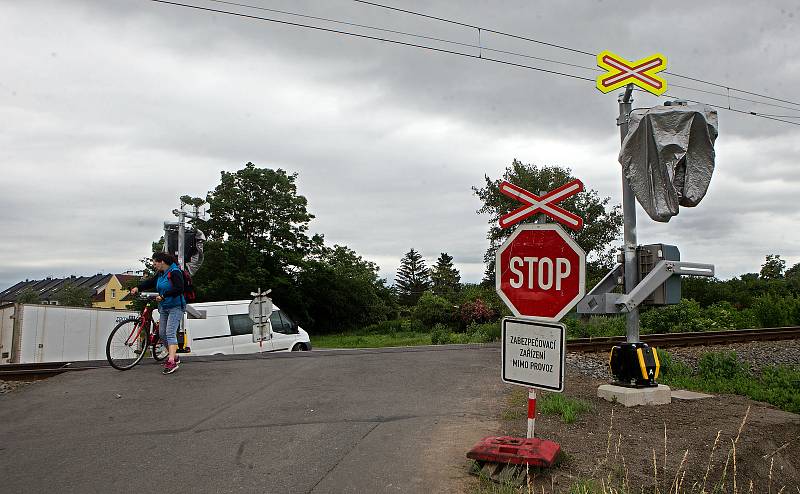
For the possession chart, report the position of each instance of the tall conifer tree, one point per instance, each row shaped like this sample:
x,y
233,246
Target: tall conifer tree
x,y
413,278
445,278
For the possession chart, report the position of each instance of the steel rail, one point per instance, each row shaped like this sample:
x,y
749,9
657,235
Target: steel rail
x,y
36,371
604,344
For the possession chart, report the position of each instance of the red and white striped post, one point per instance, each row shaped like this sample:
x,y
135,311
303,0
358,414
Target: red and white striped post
x,y
531,411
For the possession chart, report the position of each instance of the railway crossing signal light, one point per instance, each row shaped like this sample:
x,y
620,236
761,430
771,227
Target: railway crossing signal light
x,y
634,365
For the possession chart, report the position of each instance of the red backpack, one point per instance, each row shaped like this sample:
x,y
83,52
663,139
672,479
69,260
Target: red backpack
x,y
189,293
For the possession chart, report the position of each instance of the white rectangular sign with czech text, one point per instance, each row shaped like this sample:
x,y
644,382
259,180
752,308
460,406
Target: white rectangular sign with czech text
x,y
534,353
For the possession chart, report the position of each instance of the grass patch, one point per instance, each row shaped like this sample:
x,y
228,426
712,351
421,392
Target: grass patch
x,y
723,372
557,404
547,404
366,340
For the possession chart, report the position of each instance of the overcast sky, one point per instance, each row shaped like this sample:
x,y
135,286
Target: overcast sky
x,y
111,110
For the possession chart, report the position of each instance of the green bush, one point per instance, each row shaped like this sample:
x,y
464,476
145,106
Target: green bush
x,y
670,368
392,327
432,309
722,365
491,331
596,326
475,333
774,311
441,335
470,292
679,318
780,386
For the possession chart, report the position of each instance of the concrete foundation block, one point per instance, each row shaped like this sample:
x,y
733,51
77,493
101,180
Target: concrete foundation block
x,y
631,397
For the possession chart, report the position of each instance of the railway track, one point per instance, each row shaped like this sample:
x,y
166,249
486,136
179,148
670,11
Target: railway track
x,y
33,372
604,344
30,372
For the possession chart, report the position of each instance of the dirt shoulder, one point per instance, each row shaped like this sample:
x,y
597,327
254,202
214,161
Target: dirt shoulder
x,y
701,436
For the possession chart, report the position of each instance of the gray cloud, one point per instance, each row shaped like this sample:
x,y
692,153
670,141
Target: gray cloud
x,y
117,108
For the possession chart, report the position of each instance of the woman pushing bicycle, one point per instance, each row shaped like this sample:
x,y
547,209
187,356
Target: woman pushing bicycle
x,y
168,282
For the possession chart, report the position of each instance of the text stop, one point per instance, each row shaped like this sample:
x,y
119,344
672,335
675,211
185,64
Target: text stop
x,y
538,272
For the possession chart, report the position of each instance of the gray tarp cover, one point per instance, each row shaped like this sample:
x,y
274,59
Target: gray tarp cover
x,y
194,263
668,157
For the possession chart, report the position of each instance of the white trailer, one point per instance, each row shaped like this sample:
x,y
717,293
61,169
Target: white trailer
x,y
31,333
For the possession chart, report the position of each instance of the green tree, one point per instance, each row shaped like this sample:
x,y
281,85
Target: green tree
x,y
257,237
773,267
602,223
261,207
73,296
341,291
28,296
445,278
413,278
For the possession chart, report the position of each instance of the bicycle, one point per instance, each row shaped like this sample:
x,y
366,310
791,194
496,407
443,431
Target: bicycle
x,y
131,338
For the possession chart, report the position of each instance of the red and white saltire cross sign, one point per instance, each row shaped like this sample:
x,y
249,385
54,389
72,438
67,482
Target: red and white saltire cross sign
x,y
546,204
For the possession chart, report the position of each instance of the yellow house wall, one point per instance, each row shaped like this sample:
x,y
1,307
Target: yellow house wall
x,y
116,302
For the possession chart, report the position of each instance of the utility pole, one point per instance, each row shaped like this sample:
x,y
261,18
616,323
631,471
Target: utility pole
x,y
629,221
182,215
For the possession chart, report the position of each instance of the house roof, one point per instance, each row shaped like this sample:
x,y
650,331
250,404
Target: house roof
x,y
48,287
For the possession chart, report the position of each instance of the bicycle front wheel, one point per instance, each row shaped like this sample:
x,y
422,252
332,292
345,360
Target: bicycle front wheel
x,y
126,344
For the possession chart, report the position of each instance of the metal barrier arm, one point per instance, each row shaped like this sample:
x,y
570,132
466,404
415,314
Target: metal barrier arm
x,y
660,273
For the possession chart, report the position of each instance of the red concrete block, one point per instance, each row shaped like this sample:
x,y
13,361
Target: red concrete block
x,y
515,450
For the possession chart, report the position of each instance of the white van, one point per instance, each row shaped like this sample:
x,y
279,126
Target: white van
x,y
228,329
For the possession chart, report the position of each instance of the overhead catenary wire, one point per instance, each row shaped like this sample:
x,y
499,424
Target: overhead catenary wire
x,y
432,48
720,107
482,47
479,46
375,38
563,47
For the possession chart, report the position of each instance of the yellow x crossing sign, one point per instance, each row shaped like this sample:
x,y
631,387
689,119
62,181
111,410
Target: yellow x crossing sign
x,y
621,72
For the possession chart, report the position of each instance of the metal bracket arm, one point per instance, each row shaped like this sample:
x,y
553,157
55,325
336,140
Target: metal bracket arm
x,y
594,302
660,273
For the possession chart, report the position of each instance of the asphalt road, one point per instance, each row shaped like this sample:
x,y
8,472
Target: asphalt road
x,y
368,421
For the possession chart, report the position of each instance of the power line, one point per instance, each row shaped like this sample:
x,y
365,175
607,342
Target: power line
x,y
431,48
478,46
736,110
375,38
405,33
450,21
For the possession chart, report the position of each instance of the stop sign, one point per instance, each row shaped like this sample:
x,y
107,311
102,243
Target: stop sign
x,y
540,272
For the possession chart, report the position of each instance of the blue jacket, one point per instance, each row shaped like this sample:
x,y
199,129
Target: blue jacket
x,y
169,285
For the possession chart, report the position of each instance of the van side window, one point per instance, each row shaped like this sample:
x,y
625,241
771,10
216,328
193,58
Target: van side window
x,y
240,324
281,323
